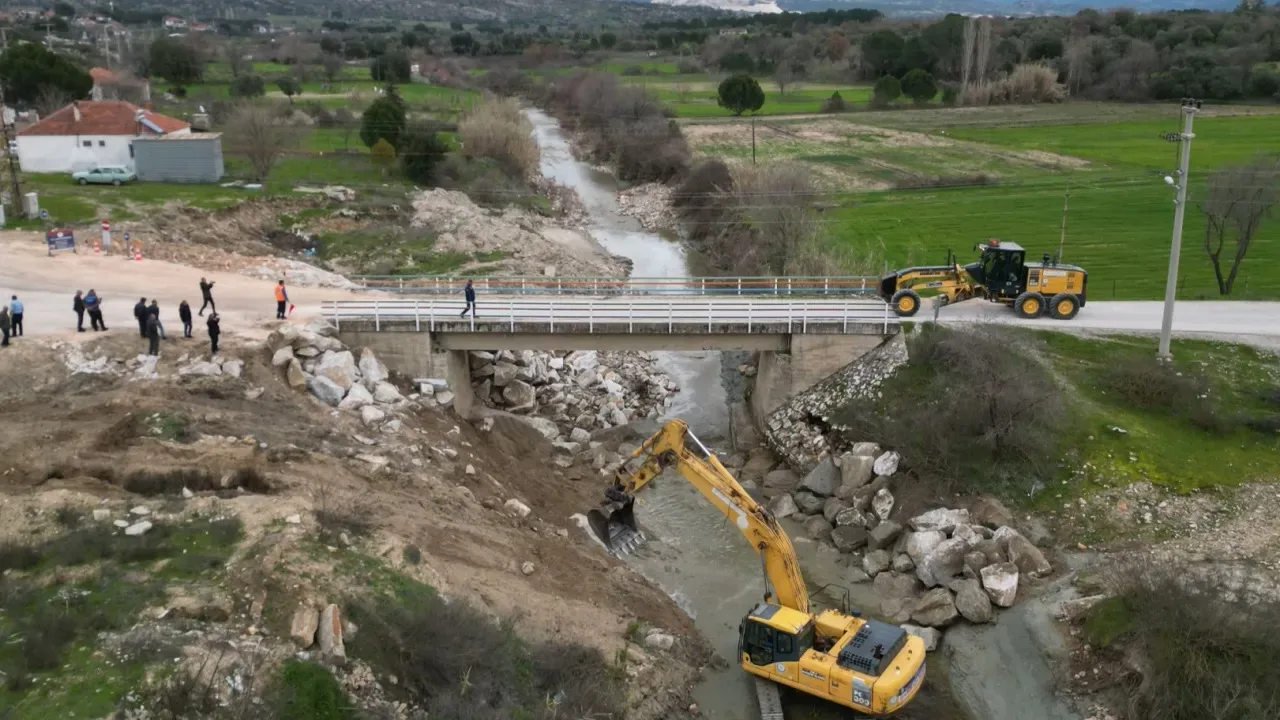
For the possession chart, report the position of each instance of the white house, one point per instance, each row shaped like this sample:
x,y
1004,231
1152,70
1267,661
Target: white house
x,y
173,22
85,135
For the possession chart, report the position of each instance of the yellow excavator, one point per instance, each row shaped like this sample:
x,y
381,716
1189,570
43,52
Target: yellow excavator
x,y
1001,274
857,662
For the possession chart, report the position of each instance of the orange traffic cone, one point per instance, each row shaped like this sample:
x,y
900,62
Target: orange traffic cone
x,y
137,253
97,249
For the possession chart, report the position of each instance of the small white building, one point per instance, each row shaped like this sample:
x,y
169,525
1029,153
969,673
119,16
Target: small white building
x,y
85,135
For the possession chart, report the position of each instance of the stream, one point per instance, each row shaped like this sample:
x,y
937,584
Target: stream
x,y
703,563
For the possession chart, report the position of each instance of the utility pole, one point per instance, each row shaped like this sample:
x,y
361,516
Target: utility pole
x,y
1190,106
753,140
15,185
1062,240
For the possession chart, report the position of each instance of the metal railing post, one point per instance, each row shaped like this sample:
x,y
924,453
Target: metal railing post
x,y
337,323
804,318
473,318
790,312
511,313
377,320
417,317
704,286
739,287
750,305
708,316
551,311
591,316
631,314
886,319
432,311
670,318
846,318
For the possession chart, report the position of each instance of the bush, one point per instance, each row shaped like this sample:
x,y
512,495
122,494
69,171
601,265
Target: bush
x,y
919,85
1028,84
498,130
308,691
937,181
1147,383
689,67
834,104
701,199
887,89
384,120
457,663
506,81
247,86
422,153
972,408
632,71
1203,653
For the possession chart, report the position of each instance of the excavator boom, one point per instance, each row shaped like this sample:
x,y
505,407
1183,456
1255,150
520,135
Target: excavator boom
x,y
613,521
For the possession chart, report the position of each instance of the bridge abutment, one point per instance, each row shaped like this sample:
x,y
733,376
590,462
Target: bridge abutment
x,y
781,376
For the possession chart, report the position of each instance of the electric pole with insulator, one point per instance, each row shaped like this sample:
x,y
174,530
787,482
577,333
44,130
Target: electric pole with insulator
x,y
1190,106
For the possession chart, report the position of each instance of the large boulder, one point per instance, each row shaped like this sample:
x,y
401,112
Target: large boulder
x,y
847,538
282,356
886,464
896,592
817,527
809,503
883,535
357,397
372,368
783,506
504,373
387,394
920,544
330,392
930,636
340,367
942,563
902,563
882,503
1001,583
935,608
520,396
991,513
849,516
479,358
972,601
831,508
782,480
823,480
294,376
876,562
942,519
855,471
865,449
1029,559
372,415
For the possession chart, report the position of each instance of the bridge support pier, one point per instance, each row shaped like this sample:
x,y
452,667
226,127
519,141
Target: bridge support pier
x,y
458,373
781,376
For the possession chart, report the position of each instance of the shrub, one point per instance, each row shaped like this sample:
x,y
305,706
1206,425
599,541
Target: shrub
x,y
1202,651
972,408
308,691
632,71
701,199
887,89
422,153
1147,383
497,129
1028,84
834,104
689,67
384,120
457,663
247,86
506,81
919,85
935,181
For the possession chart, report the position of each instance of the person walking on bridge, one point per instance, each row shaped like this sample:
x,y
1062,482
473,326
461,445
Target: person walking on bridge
x,y
15,313
282,300
77,304
4,326
206,292
93,304
469,293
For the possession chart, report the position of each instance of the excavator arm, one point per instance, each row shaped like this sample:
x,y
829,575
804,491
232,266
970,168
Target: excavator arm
x,y
675,446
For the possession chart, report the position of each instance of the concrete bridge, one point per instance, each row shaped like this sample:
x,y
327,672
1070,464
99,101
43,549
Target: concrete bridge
x,y
800,340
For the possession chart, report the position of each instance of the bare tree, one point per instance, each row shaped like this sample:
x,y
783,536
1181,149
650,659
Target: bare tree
x,y
784,75
1079,63
982,57
332,66
966,58
1236,202
239,62
262,138
50,100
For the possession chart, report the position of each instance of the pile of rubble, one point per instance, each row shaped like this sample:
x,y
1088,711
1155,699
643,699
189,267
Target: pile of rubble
x,y
146,367
650,204
931,569
797,431
313,358
580,391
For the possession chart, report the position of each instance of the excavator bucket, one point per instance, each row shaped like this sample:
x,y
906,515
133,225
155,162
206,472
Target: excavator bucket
x,y
614,523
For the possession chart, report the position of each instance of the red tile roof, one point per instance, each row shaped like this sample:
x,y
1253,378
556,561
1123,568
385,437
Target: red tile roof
x,y
104,117
103,76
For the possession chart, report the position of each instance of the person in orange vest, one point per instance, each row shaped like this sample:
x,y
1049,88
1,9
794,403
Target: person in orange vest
x,y
282,300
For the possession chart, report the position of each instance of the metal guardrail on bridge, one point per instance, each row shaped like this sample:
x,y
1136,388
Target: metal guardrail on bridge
x,y
630,313
539,285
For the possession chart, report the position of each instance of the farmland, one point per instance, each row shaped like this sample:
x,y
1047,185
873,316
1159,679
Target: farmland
x,y
1012,169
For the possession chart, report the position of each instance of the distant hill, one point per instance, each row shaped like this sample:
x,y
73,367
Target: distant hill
x,y
942,7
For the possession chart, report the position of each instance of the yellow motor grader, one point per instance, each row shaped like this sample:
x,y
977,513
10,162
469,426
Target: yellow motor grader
x,y
1001,274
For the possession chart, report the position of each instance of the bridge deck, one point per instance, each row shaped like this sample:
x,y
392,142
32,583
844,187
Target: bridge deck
x,y
618,315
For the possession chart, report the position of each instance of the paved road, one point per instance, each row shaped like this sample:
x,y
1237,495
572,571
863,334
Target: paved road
x,y
1189,318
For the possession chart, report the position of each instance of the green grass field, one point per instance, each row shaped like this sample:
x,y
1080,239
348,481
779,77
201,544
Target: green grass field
x,y
689,103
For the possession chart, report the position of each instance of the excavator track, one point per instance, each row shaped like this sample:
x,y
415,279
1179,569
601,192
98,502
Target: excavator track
x,y
770,700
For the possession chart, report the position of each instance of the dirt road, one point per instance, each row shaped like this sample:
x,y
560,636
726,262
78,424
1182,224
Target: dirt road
x,y
46,286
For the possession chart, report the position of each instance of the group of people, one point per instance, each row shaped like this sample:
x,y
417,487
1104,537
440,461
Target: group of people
x,y
11,321
152,330
148,316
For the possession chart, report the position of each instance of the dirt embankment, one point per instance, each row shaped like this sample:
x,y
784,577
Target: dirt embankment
x,y
476,514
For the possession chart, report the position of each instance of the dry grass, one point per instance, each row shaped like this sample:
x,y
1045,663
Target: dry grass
x,y
497,129
1028,84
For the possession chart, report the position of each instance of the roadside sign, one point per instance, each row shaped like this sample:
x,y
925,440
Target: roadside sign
x,y
44,214
60,240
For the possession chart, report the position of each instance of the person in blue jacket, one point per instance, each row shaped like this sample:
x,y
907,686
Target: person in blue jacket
x,y
15,316
469,292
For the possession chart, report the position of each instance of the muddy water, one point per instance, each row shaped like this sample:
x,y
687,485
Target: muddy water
x,y
703,562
